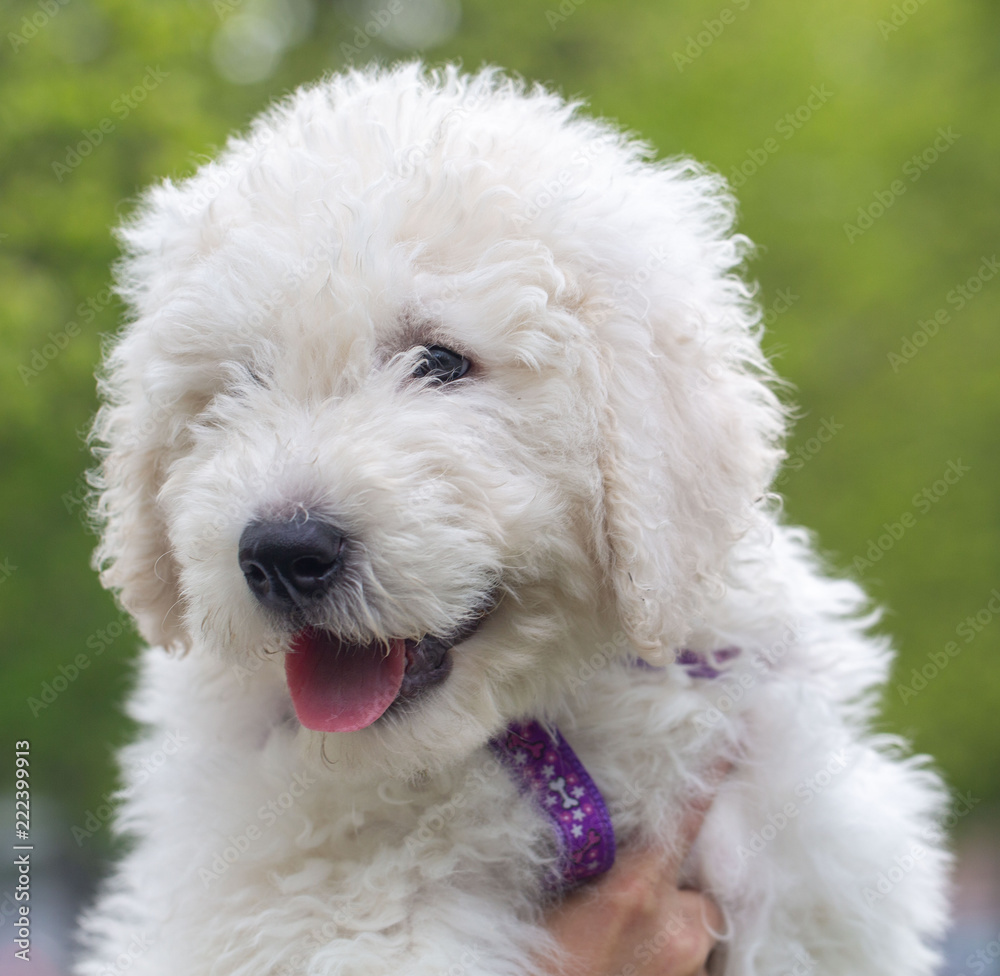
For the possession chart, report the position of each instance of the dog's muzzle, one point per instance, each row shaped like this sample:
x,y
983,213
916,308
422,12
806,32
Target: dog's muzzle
x,y
338,685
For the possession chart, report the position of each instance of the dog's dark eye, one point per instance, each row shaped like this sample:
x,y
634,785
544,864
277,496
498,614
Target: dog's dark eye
x,y
442,364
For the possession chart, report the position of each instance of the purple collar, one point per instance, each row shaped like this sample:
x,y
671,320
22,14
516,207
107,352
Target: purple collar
x,y
708,664
546,767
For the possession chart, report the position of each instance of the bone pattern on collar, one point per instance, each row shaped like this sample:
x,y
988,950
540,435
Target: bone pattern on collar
x,y
547,768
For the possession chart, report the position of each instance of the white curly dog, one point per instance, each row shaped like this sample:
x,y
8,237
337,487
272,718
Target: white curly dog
x,y
434,469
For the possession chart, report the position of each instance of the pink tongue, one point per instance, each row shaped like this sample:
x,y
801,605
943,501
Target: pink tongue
x,y
339,687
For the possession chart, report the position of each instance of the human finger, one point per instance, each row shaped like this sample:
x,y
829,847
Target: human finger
x,y
695,814
687,934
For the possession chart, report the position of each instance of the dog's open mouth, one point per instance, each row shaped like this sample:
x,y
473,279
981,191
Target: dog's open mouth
x,y
338,686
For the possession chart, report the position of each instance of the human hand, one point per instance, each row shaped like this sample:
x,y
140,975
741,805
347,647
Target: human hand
x,y
635,921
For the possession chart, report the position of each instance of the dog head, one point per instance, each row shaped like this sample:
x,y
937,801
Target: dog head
x,y
430,384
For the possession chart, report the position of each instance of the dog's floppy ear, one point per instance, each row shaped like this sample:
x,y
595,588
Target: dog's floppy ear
x,y
690,425
142,426
133,554
133,442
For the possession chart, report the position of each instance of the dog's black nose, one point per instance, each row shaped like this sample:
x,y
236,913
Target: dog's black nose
x,y
288,563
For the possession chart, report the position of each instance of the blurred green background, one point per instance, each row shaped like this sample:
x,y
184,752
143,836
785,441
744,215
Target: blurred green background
x,y
865,141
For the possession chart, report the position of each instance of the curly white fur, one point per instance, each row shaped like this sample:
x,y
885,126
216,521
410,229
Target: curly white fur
x,y
606,464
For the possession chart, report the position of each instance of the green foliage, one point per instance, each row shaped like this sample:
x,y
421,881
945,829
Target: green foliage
x,y
823,105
